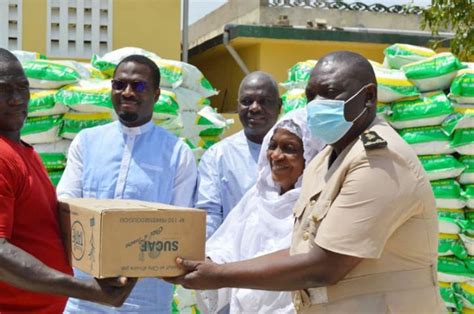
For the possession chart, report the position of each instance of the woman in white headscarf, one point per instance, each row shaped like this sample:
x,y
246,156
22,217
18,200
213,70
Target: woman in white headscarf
x,y
262,221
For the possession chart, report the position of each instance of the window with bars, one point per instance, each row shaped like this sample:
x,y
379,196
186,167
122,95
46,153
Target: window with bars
x,y
11,24
79,28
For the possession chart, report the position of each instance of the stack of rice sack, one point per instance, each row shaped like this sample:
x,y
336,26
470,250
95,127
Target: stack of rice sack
x,y
440,128
183,107
45,116
295,84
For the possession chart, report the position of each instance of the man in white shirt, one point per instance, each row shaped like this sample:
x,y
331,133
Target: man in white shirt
x,y
229,168
131,159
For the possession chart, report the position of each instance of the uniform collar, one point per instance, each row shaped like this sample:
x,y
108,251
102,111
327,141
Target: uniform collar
x,y
136,130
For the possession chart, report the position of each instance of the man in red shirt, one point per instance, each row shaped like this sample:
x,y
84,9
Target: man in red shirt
x,y
35,275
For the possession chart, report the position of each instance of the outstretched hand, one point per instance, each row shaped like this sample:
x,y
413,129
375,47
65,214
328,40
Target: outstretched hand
x,y
200,275
113,291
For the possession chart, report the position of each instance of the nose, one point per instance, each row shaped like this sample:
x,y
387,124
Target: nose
x,y
128,91
277,154
255,106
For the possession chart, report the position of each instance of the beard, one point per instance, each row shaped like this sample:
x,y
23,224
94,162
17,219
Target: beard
x,y
128,116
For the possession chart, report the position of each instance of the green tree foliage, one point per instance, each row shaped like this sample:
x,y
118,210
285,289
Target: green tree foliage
x,y
457,15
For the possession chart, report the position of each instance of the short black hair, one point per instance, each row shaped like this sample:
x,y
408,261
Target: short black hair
x,y
154,69
7,57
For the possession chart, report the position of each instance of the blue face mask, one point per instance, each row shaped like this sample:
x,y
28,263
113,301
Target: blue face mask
x,y
326,118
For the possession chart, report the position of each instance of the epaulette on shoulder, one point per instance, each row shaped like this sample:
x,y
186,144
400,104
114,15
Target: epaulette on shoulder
x,y
372,140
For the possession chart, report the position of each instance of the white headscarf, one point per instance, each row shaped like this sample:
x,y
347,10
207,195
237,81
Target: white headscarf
x,y
262,222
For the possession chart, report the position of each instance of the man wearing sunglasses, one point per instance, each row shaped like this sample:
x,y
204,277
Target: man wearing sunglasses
x,y
131,159
35,276
229,168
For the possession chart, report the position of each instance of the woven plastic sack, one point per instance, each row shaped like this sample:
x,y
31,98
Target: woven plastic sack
x,y
166,107
51,74
39,130
398,55
173,125
467,176
461,119
448,194
439,167
469,194
189,100
393,85
109,61
466,295
24,56
86,96
435,73
298,74
463,141
462,87
75,122
431,109
451,221
55,176
53,161
451,244
42,103
293,99
449,297
207,122
180,74
452,269
429,140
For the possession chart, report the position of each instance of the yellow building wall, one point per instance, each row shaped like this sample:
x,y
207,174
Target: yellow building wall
x,y
153,25
34,25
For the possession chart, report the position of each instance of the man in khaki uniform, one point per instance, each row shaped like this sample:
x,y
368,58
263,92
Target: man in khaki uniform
x,y
365,234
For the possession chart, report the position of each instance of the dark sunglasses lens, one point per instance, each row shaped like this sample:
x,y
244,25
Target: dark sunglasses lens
x,y
138,86
118,85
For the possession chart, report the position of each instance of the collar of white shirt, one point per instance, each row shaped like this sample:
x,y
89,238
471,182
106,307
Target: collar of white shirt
x,y
136,130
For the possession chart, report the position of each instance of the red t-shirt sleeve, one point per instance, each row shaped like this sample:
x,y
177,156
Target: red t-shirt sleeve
x,y
7,200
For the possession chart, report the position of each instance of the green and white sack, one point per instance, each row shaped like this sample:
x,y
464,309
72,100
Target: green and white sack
x,y
189,100
451,244
109,61
397,55
451,221
39,130
448,296
86,96
53,161
176,74
467,176
50,74
24,56
461,119
74,122
468,243
431,109
393,85
207,122
430,140
173,125
469,194
466,295
42,103
452,269
55,176
59,147
448,194
440,167
90,73
166,107
298,74
462,87
463,141
293,99
435,73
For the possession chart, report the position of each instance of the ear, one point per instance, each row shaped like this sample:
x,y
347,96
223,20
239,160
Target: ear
x,y
371,96
157,94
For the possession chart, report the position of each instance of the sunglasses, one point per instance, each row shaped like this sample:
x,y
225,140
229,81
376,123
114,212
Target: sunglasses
x,y
137,86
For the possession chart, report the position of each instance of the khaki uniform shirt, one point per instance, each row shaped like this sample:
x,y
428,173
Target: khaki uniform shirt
x,y
375,204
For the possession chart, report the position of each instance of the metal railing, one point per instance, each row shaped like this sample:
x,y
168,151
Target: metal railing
x,y
343,6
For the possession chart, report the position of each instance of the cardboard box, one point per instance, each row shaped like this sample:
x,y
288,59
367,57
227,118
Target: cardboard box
x,y
108,238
